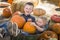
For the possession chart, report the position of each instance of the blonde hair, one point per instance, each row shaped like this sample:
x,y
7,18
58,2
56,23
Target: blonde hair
x,y
43,18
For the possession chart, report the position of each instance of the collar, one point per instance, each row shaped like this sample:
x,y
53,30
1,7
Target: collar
x,y
26,15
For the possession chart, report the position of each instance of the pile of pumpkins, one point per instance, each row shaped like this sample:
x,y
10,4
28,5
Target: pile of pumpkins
x,y
54,24
53,32
27,26
16,18
22,24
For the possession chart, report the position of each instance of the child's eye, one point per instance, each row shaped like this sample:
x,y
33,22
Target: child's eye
x,y
30,8
26,8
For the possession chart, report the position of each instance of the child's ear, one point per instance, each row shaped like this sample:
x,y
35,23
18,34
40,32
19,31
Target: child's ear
x,y
33,9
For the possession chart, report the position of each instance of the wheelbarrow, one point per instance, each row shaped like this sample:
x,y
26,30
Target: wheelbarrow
x,y
26,36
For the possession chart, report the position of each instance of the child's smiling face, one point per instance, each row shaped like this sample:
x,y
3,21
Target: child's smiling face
x,y
28,9
41,22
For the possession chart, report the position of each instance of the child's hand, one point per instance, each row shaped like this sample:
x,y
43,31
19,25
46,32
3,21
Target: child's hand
x,y
29,20
33,24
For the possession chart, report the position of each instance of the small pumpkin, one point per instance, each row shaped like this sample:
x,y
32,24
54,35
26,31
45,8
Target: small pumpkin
x,y
29,28
56,28
10,1
56,18
19,20
47,35
39,12
7,12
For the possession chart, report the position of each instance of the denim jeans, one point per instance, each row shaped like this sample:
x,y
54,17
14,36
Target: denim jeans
x,y
4,26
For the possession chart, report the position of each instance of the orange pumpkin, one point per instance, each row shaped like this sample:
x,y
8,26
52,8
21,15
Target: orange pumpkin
x,y
19,20
10,1
47,35
7,12
29,28
39,12
56,28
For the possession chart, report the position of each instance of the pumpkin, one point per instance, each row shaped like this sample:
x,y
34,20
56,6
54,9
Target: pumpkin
x,y
47,35
10,1
19,20
55,18
56,28
7,12
29,28
39,12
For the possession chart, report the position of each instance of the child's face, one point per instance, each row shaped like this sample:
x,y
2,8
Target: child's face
x,y
28,9
40,22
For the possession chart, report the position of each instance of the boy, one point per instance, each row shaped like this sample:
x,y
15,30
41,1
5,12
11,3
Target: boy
x,y
28,8
41,24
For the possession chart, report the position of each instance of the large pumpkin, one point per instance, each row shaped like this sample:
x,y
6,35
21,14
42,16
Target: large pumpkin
x,y
56,28
7,12
47,35
55,18
38,12
19,20
29,28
